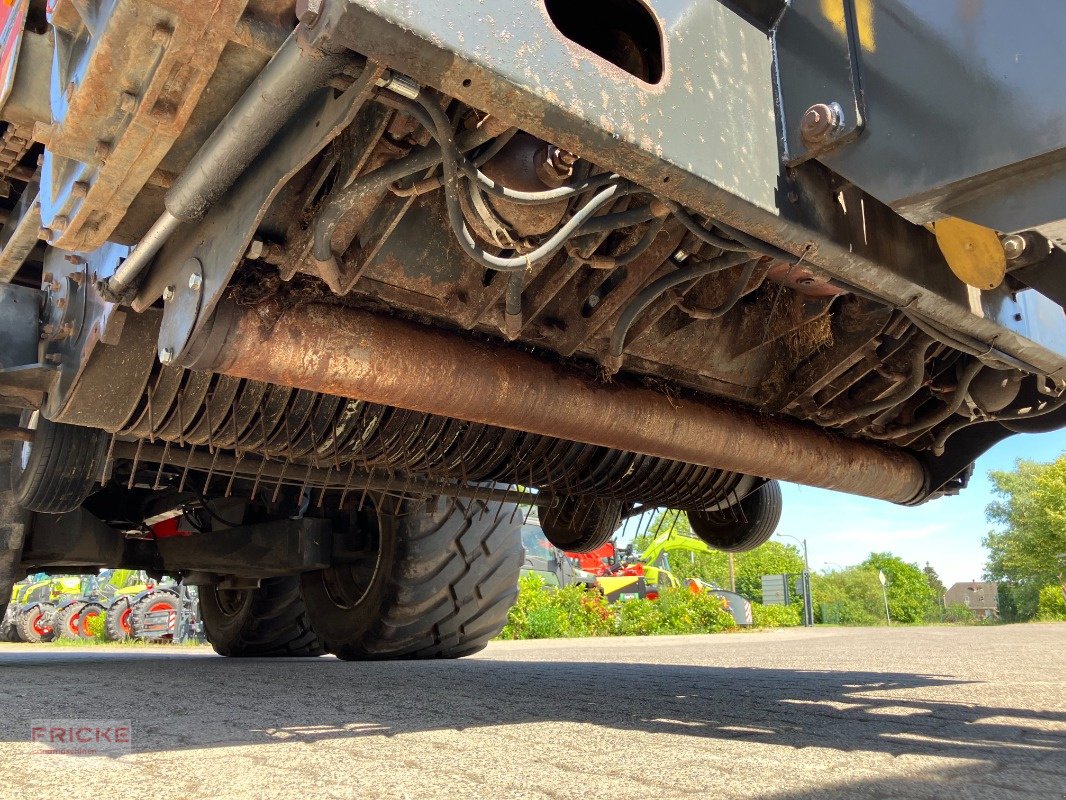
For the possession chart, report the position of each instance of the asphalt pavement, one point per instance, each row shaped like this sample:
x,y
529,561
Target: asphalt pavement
x,y
829,714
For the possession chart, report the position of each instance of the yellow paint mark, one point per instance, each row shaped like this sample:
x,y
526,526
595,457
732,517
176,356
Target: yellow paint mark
x,y
973,252
833,11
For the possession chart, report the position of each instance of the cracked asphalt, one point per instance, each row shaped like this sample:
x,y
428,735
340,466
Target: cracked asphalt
x,y
831,713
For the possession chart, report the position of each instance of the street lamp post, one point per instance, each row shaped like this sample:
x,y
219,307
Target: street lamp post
x,y
884,591
808,601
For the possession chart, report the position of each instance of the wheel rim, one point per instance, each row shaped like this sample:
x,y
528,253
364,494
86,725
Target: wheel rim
x,y
349,584
84,626
39,627
124,621
72,625
27,447
231,602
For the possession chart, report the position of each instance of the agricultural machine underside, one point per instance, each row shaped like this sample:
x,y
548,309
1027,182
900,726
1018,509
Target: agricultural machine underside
x,y
307,304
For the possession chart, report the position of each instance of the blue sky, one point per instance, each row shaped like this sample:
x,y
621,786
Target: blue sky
x,y
842,530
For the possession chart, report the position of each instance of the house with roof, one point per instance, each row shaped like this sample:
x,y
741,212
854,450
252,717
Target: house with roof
x,y
982,597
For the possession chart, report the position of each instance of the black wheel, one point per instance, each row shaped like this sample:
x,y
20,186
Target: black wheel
x,y
738,530
155,616
66,621
581,524
117,620
268,621
437,581
34,623
55,472
14,521
8,631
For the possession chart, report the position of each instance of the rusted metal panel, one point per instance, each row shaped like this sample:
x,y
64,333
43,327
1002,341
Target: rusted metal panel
x,y
362,356
119,108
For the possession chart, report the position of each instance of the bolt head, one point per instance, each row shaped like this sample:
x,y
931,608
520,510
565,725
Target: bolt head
x,y
168,293
195,282
128,102
79,189
166,355
102,150
820,122
1014,246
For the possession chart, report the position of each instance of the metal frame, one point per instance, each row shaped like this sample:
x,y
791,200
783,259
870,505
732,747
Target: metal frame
x,y
714,149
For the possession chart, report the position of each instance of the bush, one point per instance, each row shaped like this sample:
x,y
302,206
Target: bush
x,y
1050,605
95,626
543,612
959,614
775,616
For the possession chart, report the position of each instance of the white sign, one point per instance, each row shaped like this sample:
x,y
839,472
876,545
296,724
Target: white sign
x,y
881,576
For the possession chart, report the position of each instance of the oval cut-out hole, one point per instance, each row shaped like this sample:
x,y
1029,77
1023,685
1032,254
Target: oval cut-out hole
x,y
623,32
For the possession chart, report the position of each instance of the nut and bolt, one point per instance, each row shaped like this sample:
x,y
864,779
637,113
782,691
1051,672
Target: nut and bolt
x,y
74,259
47,278
556,166
195,281
128,102
821,122
168,293
166,355
102,150
61,303
1014,246
60,223
680,255
79,189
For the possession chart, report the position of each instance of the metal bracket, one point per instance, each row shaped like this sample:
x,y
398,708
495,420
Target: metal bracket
x,y
816,67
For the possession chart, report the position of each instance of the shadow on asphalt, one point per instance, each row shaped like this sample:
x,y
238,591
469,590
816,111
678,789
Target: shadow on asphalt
x,y
202,701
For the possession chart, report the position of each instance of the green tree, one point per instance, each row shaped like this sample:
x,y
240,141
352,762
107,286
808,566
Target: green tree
x,y
850,596
1030,510
772,558
910,597
934,582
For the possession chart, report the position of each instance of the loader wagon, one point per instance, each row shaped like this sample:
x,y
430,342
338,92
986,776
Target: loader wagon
x,y
302,302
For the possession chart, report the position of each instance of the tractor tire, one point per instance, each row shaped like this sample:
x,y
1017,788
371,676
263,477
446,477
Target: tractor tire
x,y
158,600
441,578
117,620
270,621
14,522
90,610
8,630
60,468
66,621
35,623
743,529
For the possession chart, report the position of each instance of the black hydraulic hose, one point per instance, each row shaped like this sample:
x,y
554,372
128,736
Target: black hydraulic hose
x,y
930,421
1052,404
738,291
441,130
631,255
700,232
620,219
377,182
915,378
654,290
